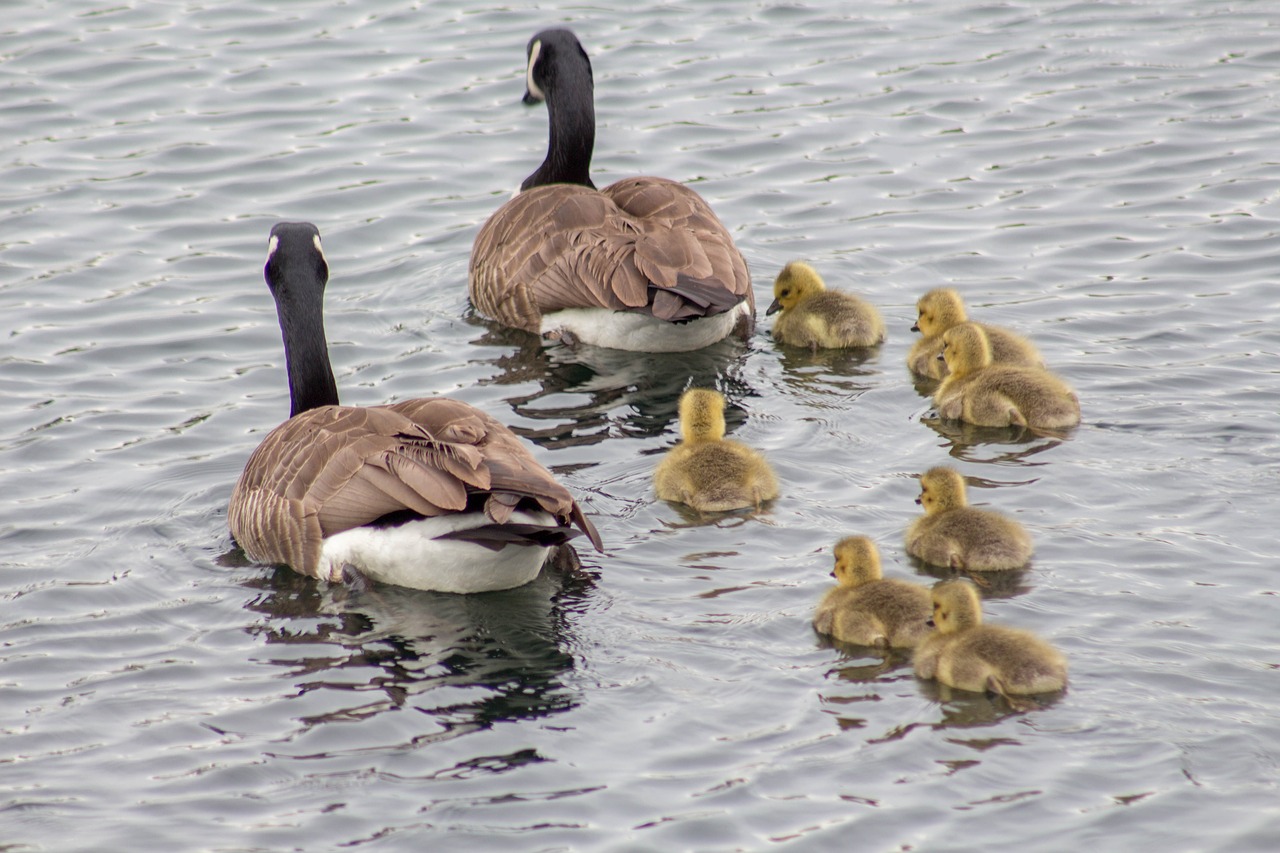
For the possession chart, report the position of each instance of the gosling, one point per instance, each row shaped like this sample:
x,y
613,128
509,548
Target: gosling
x,y
952,533
942,308
815,317
708,471
999,395
968,655
866,609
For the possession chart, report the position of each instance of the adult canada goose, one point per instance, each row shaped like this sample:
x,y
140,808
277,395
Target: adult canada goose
x,y
998,395
866,608
952,533
643,264
815,317
708,471
428,493
969,655
942,308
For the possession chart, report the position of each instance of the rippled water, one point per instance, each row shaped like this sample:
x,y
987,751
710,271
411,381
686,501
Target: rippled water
x,y
1101,176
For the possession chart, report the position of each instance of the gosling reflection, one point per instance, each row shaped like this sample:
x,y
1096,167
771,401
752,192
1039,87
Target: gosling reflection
x,y
588,394
493,657
971,443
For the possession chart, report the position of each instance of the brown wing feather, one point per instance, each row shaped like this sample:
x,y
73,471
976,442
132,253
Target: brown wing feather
x,y
337,467
639,244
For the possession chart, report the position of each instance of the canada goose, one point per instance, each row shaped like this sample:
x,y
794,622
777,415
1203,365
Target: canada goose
x,y
998,395
815,317
643,264
429,493
952,533
942,308
968,655
708,471
866,608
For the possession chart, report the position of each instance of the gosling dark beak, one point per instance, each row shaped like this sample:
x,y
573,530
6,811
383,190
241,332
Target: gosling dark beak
x,y
915,327
774,307
919,500
929,622
940,358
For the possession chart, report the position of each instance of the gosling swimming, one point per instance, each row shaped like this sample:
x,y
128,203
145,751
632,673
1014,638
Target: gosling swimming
x,y
708,471
999,395
952,533
968,655
815,317
867,609
942,308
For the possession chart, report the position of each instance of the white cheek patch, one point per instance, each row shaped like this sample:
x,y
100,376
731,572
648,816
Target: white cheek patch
x,y
272,245
528,74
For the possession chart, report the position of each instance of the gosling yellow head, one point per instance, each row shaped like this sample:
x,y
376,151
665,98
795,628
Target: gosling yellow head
x,y
939,310
941,489
796,282
956,606
702,415
965,348
857,561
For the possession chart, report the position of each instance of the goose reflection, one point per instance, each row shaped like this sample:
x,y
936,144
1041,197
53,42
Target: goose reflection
x,y
1016,444
491,657
587,394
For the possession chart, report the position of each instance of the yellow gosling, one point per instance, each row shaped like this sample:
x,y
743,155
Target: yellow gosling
x,y
969,655
997,395
815,317
708,471
867,609
941,309
952,533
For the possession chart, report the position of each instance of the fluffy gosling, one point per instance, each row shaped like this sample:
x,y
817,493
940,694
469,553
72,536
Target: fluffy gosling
x,y
952,533
708,471
997,395
868,609
942,308
968,655
815,317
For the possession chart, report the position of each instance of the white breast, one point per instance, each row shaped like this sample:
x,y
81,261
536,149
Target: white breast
x,y
639,332
411,555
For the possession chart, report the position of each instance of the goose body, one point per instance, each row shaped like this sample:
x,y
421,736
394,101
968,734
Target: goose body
x,y
427,493
867,609
708,471
983,393
968,655
953,534
942,308
812,316
643,264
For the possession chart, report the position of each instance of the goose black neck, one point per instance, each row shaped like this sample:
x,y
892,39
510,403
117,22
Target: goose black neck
x,y
571,113
297,273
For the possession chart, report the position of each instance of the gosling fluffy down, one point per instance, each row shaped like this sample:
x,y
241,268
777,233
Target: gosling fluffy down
x,y
815,317
868,609
952,533
707,471
968,655
942,308
998,395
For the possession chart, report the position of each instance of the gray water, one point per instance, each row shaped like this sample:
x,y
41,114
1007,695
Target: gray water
x,y
1103,177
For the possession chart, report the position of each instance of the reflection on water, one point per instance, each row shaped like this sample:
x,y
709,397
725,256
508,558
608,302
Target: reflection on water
x,y
970,443
494,657
588,394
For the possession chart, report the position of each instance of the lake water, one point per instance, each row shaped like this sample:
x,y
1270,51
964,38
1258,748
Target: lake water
x,y
1103,177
